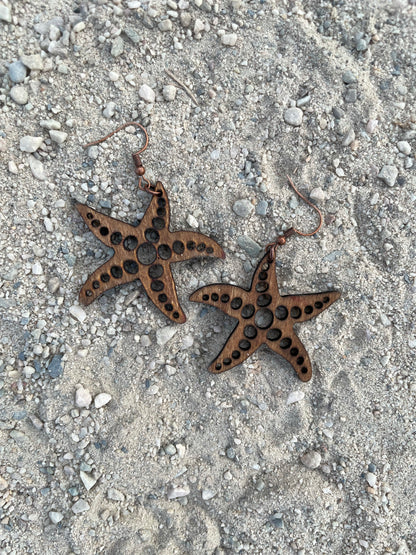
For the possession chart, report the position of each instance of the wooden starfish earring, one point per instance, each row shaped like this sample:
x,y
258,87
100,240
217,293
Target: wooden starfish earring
x,y
264,316
144,251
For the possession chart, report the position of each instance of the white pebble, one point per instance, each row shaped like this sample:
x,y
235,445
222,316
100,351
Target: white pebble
x,y
371,126
80,506
88,480
229,39
169,92
192,221
115,495
5,14
78,312
165,25
113,76
109,110
37,168
295,397
55,517
19,95
82,398
101,400
80,26
47,222
13,168
371,479
37,269
175,493
311,459
293,116
30,144
165,334
171,370
147,93
388,174
208,494
58,137
199,26
317,194
404,147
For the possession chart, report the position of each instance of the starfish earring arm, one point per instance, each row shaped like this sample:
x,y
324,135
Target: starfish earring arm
x,y
191,244
101,225
104,278
158,212
292,349
228,298
311,304
235,351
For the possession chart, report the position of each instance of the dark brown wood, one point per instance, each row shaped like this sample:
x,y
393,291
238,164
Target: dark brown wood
x,y
264,317
144,252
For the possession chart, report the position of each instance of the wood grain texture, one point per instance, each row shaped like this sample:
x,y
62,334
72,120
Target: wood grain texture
x,y
264,317
144,252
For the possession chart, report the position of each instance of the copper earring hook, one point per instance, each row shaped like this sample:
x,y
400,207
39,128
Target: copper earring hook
x,y
136,155
271,247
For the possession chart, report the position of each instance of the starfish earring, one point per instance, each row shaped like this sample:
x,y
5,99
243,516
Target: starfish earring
x,y
145,251
264,316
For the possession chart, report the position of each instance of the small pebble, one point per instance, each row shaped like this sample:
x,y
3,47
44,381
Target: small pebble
x,y
351,96
101,400
165,334
311,459
261,208
371,479
55,517
404,147
388,174
371,126
109,110
80,507
229,39
170,449
17,72
243,208
19,95
317,194
115,495
82,398
293,116
55,369
348,77
165,25
37,168
30,144
147,94
32,61
169,93
5,14
37,269
295,397
78,312
192,221
207,494
117,48
176,493
58,137
88,480
252,248
348,137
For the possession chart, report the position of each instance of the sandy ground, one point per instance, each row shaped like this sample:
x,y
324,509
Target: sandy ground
x,y
173,459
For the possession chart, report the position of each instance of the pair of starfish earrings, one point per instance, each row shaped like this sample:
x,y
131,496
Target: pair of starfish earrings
x,y
147,250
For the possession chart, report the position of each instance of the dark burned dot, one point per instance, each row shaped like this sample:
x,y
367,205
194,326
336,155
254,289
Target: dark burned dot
x,y
248,311
131,266
263,318
169,307
158,223
116,238
295,312
164,252
300,360
308,309
281,312
326,300
210,250
178,247
200,247
152,235
236,355
104,231
244,345
285,343
214,297
190,245
318,304
205,297
116,272
264,300
294,351
95,284
262,286
95,223
161,202
161,212
156,271
236,303
157,285
250,332
130,242
146,253
162,298
90,216
218,366
274,334
263,276
227,361
88,292
175,315
225,298
304,370
105,278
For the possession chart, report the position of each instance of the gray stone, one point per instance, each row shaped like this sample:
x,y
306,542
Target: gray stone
x,y
169,92
115,495
117,47
317,194
32,61
311,459
17,72
109,110
19,95
132,35
170,449
37,168
5,14
30,144
338,113
50,124
293,116
80,507
350,96
243,208
404,147
348,137
388,174
252,248
58,137
165,334
261,208
88,480
348,77
55,369
165,25
147,94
